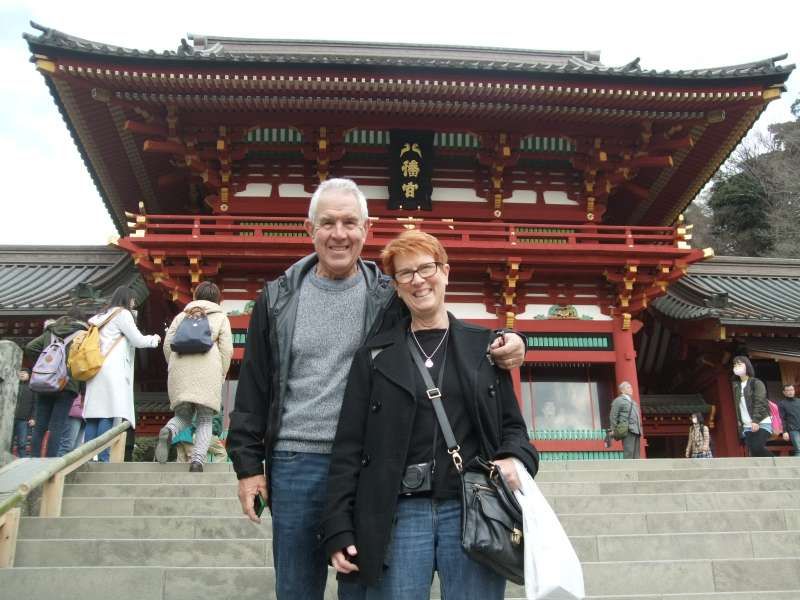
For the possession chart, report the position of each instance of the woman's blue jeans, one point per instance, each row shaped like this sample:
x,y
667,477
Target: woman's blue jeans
x,y
20,439
94,429
427,538
52,412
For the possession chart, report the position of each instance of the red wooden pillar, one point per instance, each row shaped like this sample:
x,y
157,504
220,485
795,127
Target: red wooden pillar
x,y
726,429
516,379
625,364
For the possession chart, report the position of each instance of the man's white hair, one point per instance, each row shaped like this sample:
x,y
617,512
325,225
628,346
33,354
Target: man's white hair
x,y
624,384
347,186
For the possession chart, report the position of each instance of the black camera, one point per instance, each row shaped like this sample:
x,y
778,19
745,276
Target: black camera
x,y
417,479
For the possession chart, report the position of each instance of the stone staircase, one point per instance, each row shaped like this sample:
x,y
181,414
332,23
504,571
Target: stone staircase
x,y
720,529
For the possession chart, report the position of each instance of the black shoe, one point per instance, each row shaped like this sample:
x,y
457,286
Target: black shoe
x,y
162,446
196,467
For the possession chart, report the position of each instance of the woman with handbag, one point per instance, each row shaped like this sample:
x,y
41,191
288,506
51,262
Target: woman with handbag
x,y
393,508
195,378
699,444
109,394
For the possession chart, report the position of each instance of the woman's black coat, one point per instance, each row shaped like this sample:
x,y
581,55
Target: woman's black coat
x,y
374,432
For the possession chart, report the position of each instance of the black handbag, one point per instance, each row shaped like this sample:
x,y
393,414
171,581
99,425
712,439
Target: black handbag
x,y
193,335
491,518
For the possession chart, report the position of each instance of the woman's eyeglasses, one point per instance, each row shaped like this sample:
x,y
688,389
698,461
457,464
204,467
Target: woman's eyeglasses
x,y
425,270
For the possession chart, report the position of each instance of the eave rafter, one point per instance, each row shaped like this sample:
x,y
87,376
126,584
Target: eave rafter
x,y
167,80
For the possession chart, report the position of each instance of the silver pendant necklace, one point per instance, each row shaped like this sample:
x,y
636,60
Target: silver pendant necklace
x,y
429,357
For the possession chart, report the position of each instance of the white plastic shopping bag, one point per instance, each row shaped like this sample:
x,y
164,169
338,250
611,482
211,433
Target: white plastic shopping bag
x,y
552,569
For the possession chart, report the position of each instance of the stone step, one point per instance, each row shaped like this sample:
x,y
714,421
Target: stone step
x,y
566,504
654,503
742,472
645,579
143,488
233,525
149,490
222,552
151,477
145,527
144,553
681,522
151,467
210,507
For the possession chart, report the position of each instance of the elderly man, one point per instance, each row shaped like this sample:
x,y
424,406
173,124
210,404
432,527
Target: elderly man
x,y
304,330
625,410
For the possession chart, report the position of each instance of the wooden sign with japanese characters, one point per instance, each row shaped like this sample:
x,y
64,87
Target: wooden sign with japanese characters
x,y
411,161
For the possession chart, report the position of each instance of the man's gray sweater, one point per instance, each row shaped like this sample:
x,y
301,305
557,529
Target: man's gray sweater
x,y
328,331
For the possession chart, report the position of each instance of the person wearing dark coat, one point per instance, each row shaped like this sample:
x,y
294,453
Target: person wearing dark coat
x,y
24,414
377,527
789,407
752,407
52,409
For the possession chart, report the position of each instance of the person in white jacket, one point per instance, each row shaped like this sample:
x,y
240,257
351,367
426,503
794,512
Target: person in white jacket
x,y
109,394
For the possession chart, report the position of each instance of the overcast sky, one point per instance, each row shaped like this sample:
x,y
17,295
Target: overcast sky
x,y
49,198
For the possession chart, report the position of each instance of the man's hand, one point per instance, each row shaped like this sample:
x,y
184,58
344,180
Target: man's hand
x,y
32,423
509,471
754,427
508,351
785,436
340,561
248,488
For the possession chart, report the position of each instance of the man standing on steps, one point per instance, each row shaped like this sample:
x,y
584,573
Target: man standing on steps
x,y
789,408
625,410
304,330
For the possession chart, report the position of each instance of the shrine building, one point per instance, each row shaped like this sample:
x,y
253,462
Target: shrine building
x,y
555,182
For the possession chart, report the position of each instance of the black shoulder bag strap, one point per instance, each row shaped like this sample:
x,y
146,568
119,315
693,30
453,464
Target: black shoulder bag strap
x,y
435,396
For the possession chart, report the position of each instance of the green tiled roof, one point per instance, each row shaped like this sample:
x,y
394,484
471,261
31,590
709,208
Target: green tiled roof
x,y
737,291
218,49
673,404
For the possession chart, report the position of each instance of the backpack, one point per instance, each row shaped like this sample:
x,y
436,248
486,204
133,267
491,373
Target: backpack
x,y
193,335
85,358
777,422
49,374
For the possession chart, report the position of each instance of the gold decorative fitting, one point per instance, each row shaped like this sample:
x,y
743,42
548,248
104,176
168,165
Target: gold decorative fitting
x,y
715,116
722,335
498,214
683,245
48,66
708,252
590,216
223,207
626,321
771,94
101,95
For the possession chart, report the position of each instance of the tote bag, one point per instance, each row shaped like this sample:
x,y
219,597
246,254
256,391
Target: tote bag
x,y
552,569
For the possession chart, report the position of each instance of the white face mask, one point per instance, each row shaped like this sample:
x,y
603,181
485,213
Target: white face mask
x,y
739,370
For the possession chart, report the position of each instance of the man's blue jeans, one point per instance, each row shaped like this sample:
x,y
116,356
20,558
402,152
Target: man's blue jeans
x,y
794,436
299,481
427,538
